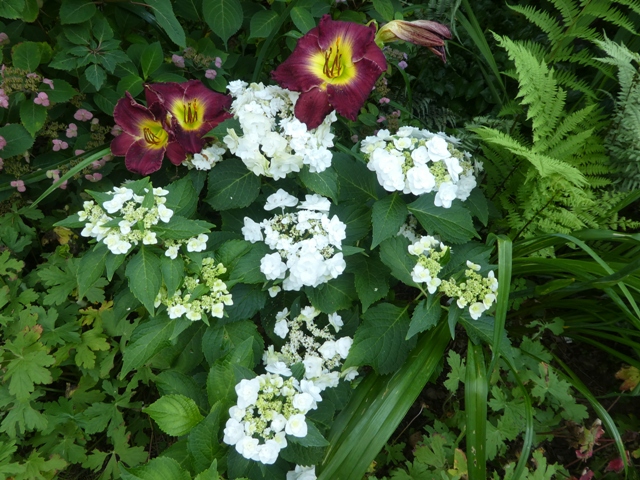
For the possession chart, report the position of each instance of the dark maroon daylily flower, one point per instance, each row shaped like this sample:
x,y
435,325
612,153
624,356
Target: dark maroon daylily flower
x,y
193,110
334,66
144,140
421,32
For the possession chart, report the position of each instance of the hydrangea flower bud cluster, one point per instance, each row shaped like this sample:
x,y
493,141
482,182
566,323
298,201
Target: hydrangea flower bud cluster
x,y
183,303
476,292
418,161
126,219
306,243
273,141
430,253
269,408
317,349
206,159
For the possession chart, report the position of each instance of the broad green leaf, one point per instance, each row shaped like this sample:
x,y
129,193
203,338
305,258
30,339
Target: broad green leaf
x,y
478,205
219,340
203,442
357,182
17,138
221,383
106,99
182,197
92,341
152,57
453,225
160,468
78,34
324,183
232,185
302,19
380,340
313,438
11,9
101,29
143,272
32,117
131,84
224,17
176,415
372,279
475,400
387,217
357,218
181,228
91,268
247,268
336,294
425,316
147,339
172,381
62,92
26,56
163,11
384,8
76,11
262,23
247,301
31,10
95,75
394,254
172,273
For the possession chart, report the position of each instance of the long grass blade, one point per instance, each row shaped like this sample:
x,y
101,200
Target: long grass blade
x,y
504,286
364,426
476,390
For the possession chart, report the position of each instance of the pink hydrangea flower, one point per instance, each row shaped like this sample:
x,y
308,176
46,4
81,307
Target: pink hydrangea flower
x,y
402,65
4,39
211,74
381,119
49,82
78,152
95,121
95,177
218,62
178,61
55,174
98,164
4,99
384,100
59,145
116,130
72,131
42,99
83,115
3,143
33,75
19,185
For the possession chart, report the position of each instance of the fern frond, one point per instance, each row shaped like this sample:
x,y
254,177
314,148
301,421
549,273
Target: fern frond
x,y
538,88
609,14
568,9
633,5
568,125
545,165
542,19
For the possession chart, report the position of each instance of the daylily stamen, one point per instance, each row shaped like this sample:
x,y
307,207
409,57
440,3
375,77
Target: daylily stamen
x,y
190,116
336,67
150,137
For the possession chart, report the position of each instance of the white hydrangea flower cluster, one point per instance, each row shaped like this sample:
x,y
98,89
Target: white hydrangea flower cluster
x,y
206,159
317,349
419,161
306,243
135,219
302,472
476,292
268,408
273,141
182,303
408,229
430,253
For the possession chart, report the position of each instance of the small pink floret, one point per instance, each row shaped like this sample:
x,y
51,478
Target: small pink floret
x,y
211,74
218,62
72,131
59,145
83,115
19,185
178,61
42,99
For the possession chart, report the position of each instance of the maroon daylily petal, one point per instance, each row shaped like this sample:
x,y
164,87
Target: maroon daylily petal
x,y
142,159
129,114
359,37
312,107
163,93
294,74
122,143
348,98
175,153
375,55
214,103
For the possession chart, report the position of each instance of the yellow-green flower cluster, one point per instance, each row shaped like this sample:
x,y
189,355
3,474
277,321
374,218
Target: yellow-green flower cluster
x,y
430,253
476,292
211,302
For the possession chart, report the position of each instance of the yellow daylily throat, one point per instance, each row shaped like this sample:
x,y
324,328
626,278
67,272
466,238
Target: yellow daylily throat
x,y
154,134
334,65
189,114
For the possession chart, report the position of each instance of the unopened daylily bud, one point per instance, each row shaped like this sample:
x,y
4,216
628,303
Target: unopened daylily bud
x,y
421,32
